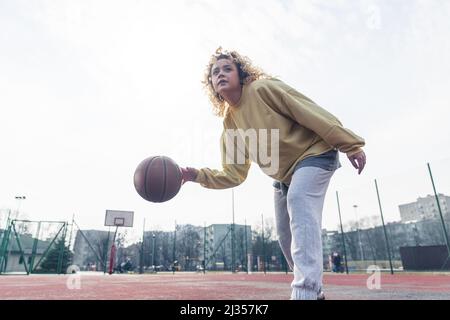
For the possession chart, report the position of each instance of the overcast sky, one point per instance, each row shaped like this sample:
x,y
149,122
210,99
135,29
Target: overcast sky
x,y
90,88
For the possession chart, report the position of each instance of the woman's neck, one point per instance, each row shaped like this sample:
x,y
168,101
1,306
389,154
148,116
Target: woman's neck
x,y
233,97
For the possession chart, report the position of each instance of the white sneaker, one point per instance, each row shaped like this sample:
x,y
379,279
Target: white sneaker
x,y
321,295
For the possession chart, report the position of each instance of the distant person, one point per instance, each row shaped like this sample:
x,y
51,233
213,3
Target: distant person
x,y
337,266
127,265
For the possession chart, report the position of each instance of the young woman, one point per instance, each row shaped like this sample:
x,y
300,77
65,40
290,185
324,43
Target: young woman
x,y
303,139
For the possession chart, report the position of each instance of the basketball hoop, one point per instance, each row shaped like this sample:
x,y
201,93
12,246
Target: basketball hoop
x,y
115,218
119,222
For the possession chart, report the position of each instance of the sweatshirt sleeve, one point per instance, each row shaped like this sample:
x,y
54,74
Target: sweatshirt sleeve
x,y
304,111
233,172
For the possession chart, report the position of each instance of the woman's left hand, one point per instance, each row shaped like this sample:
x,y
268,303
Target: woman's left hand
x,y
358,161
188,174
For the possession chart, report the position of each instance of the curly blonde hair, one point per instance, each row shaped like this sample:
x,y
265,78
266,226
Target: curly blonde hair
x,y
247,73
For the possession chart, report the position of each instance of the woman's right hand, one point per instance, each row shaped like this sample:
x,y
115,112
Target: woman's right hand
x,y
358,161
188,174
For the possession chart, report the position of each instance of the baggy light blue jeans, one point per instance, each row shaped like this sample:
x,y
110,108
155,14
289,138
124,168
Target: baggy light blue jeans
x,y
298,216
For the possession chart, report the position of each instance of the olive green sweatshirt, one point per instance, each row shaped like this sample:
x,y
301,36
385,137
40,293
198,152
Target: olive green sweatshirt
x,y
288,128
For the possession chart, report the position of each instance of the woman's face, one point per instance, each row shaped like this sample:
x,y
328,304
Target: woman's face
x,y
225,76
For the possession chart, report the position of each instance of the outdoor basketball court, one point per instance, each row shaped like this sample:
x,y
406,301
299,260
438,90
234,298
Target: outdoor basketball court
x,y
217,286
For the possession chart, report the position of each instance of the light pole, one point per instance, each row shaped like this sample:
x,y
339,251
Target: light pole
x,y
19,201
141,260
204,248
359,234
233,269
153,252
6,251
246,244
263,243
174,248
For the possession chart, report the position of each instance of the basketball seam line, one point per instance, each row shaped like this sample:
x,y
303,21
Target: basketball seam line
x,y
145,177
165,180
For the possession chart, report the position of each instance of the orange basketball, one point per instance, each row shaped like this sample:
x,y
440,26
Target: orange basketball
x,y
157,179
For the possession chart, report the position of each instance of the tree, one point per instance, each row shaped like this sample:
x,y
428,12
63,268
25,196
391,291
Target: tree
x,y
188,245
120,246
270,247
50,263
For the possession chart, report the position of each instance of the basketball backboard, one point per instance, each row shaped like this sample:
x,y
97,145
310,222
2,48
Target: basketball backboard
x,y
116,218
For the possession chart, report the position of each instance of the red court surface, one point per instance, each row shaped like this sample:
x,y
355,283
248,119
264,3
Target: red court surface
x,y
217,286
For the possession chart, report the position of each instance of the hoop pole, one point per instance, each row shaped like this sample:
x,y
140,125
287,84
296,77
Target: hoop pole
x,y
113,253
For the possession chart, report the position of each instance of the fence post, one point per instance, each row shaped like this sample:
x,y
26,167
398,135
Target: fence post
x,y
440,212
342,233
384,229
